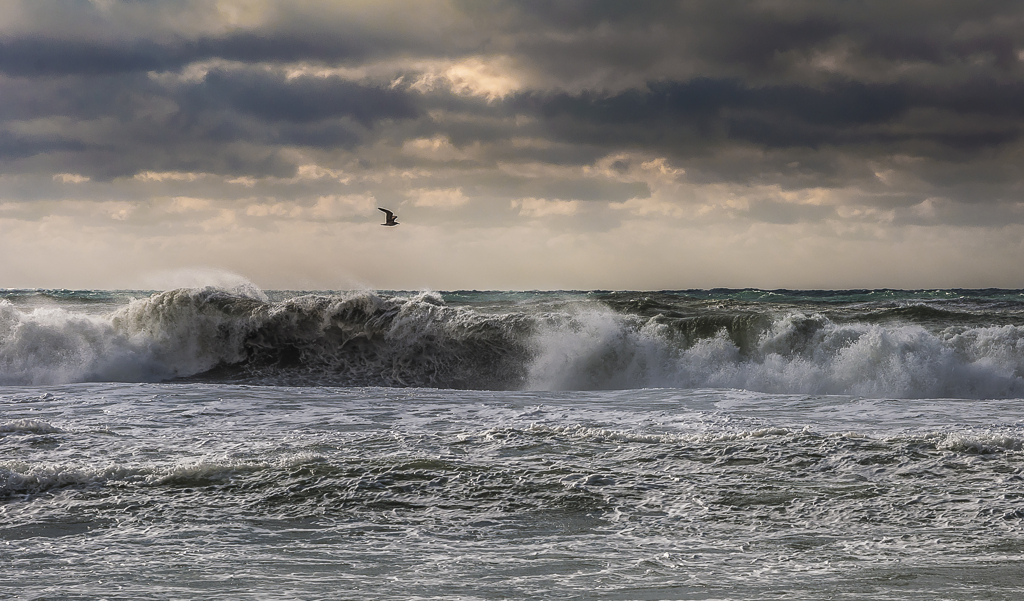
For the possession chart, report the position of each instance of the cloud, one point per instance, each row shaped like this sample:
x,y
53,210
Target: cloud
x,y
177,119
152,176
39,56
490,77
300,99
449,198
541,207
328,208
70,178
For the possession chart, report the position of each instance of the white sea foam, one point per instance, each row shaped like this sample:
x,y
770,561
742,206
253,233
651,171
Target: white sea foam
x,y
23,478
52,345
797,354
977,442
531,492
20,478
364,338
578,431
168,335
32,426
597,348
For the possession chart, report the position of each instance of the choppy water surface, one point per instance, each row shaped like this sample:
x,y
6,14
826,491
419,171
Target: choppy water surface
x,y
172,491
723,444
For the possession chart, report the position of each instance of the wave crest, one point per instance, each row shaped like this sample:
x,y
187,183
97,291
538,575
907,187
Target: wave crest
x,y
372,339
789,353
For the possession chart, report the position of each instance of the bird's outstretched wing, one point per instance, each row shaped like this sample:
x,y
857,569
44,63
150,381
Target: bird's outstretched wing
x,y
389,217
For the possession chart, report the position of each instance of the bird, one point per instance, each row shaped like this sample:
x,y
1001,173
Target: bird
x,y
389,217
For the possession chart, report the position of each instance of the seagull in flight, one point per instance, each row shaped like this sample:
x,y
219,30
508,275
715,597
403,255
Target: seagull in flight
x,y
389,217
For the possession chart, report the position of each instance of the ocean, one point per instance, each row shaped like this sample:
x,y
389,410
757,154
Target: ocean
x,y
701,444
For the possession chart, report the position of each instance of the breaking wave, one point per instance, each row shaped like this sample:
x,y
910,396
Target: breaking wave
x,y
512,342
356,339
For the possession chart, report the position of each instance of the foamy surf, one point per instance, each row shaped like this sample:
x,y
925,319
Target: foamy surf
x,y
214,490
963,344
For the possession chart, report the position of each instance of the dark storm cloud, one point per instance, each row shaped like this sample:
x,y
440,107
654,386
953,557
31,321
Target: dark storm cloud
x,y
330,135
78,97
302,100
704,109
45,56
12,146
758,34
806,93
315,45
46,38
42,56
231,123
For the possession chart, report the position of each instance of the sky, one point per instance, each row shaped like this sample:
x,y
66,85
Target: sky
x,y
525,144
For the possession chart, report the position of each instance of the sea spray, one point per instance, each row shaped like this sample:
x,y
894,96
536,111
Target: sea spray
x,y
795,353
968,345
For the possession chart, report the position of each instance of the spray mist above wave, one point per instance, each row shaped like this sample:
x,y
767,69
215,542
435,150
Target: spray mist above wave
x,y
204,277
552,342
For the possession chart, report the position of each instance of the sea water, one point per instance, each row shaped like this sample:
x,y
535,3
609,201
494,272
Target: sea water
x,y
725,444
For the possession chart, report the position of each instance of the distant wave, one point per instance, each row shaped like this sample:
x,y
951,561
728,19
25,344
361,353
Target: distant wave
x,y
580,342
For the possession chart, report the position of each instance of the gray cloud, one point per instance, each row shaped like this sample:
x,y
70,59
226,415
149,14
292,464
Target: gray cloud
x,y
897,102
33,57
